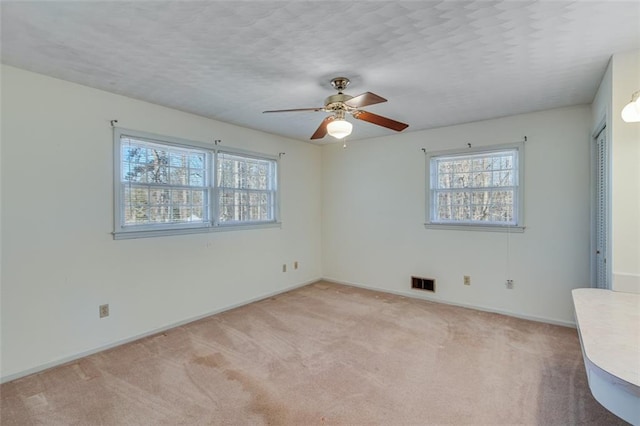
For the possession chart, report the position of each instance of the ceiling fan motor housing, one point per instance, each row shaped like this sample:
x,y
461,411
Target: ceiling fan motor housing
x,y
336,102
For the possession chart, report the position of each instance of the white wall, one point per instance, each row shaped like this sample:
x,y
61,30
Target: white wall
x,y
625,175
374,210
59,260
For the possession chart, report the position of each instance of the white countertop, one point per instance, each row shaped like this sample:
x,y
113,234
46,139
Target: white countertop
x,y
609,327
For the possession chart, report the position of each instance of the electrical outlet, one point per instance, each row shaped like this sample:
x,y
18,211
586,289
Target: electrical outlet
x,y
509,284
104,310
295,265
284,267
467,280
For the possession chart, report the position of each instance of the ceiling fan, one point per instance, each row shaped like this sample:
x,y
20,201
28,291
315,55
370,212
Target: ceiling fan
x,y
340,104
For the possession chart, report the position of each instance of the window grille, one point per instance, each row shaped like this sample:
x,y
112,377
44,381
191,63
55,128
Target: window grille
x,y
478,188
161,184
170,186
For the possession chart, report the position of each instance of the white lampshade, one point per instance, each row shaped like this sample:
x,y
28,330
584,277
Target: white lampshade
x,y
339,128
631,112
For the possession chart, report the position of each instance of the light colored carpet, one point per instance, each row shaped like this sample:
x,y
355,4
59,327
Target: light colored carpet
x,y
323,354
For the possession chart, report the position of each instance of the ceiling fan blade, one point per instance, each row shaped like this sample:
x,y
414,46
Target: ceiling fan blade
x,y
294,110
380,120
365,99
321,131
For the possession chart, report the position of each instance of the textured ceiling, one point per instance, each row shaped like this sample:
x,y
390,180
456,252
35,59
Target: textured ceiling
x,y
437,62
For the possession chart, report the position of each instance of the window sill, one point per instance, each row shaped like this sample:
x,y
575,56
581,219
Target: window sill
x,y
127,235
468,227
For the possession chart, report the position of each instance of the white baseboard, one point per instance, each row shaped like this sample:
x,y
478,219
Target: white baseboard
x,y
626,283
74,357
413,295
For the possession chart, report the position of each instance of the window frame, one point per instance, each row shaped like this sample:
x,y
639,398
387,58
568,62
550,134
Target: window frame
x,y
122,231
217,188
518,204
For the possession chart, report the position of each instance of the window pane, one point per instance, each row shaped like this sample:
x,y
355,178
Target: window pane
x,y
136,214
196,178
136,204
134,153
481,179
480,164
479,212
480,197
181,197
503,197
133,172
178,159
178,176
155,215
459,180
197,161
159,196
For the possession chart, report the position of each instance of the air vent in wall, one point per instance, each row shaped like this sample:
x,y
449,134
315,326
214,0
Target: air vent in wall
x,y
428,284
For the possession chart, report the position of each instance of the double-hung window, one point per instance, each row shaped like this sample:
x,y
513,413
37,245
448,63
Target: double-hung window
x,y
476,188
246,188
167,186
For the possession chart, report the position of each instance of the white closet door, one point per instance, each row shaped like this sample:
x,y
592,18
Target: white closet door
x,y
602,211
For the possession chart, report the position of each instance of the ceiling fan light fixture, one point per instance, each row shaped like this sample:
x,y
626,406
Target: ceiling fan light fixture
x,y
339,128
631,112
